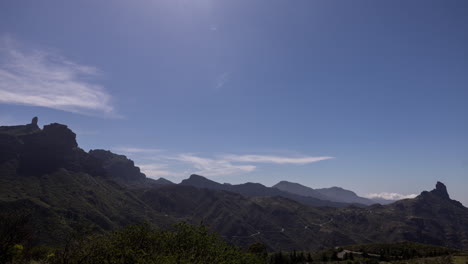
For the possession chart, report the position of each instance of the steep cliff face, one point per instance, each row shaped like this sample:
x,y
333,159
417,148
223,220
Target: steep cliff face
x,y
45,176
43,151
47,150
10,143
21,129
45,173
119,167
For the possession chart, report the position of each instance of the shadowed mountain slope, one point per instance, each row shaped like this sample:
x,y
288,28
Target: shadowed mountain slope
x,y
62,188
335,194
256,190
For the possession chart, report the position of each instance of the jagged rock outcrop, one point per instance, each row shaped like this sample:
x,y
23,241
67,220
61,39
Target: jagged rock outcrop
x,y
441,190
41,151
21,129
10,143
10,147
118,166
51,148
46,173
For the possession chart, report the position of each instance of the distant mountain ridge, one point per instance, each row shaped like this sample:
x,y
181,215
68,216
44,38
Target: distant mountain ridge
x,y
256,190
44,174
335,194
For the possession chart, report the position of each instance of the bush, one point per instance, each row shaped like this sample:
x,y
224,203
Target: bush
x,y
143,244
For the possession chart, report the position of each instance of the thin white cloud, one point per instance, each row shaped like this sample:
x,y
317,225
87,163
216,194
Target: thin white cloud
x,y
275,159
137,150
213,167
221,165
390,196
43,78
159,170
222,80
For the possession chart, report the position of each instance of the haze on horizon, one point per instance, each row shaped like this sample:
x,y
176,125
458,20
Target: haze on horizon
x,y
368,96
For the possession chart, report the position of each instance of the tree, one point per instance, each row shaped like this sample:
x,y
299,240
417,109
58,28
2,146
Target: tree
x,y
14,232
145,244
258,249
334,256
324,257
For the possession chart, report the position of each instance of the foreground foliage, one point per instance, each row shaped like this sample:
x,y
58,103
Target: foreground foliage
x,y
143,244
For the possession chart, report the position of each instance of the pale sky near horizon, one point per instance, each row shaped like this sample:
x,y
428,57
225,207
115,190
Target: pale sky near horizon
x,y
370,96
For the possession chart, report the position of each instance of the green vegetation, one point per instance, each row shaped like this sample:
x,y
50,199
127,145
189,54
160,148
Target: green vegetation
x,y
402,250
400,253
139,244
184,243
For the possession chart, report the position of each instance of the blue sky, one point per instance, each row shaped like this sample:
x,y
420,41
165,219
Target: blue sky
x,y
367,95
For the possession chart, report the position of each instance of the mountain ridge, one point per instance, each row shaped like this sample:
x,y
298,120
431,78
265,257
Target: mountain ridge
x,y
70,187
256,189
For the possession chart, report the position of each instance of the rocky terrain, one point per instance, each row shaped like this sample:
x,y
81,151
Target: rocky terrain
x,y
58,188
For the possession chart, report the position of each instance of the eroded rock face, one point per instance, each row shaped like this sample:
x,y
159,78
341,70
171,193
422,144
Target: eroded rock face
x,y
118,166
40,151
21,129
34,121
10,147
52,148
441,190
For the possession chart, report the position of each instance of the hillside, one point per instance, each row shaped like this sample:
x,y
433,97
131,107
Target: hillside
x,y
61,189
335,194
257,190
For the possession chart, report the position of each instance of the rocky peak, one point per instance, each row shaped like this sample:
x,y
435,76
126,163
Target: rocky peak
x,y
162,181
21,129
59,134
441,190
119,167
34,122
197,177
49,149
201,182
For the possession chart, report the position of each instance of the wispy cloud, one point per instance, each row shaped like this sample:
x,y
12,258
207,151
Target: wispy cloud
x,y
390,196
44,78
222,80
275,159
213,167
137,150
160,170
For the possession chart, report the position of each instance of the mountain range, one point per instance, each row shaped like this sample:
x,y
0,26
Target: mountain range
x,y
59,188
334,196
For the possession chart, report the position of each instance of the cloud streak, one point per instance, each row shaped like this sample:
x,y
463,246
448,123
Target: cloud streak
x,y
220,165
137,150
390,196
275,159
159,170
222,80
43,78
213,167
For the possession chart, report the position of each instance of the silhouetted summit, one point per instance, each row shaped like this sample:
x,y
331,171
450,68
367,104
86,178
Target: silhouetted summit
x,y
45,172
335,194
21,129
118,166
46,150
441,190
257,190
34,121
